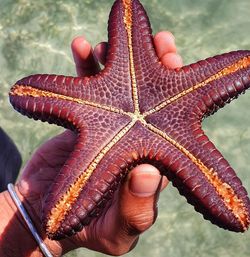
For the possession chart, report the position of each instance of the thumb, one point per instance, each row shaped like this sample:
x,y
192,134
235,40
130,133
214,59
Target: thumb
x,y
139,196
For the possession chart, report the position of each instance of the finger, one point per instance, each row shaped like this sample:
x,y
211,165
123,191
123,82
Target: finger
x,y
172,60
164,183
166,49
165,43
85,61
139,196
100,52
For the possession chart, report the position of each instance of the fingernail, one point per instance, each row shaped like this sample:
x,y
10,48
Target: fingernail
x,y
144,184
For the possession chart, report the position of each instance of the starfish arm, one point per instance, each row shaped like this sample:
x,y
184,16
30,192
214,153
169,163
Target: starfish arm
x,y
222,86
221,78
199,171
142,58
212,186
98,90
89,177
215,190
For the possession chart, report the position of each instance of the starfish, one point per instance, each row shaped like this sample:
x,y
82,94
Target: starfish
x,y
138,111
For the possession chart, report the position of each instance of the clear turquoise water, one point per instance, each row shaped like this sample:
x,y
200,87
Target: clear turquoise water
x,y
35,37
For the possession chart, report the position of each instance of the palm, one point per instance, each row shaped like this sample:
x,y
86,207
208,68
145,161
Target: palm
x,y
44,165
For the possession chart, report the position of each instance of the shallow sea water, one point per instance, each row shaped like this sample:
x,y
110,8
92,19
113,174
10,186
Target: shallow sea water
x,y
35,37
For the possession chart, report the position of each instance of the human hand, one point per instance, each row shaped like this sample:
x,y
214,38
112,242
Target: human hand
x,y
133,208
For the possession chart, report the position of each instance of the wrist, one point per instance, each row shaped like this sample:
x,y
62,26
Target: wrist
x,y
15,237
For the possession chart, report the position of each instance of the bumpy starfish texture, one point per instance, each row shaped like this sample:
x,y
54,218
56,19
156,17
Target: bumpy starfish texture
x,y
138,111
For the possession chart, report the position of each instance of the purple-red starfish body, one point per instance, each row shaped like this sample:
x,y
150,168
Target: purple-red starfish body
x,y
138,111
